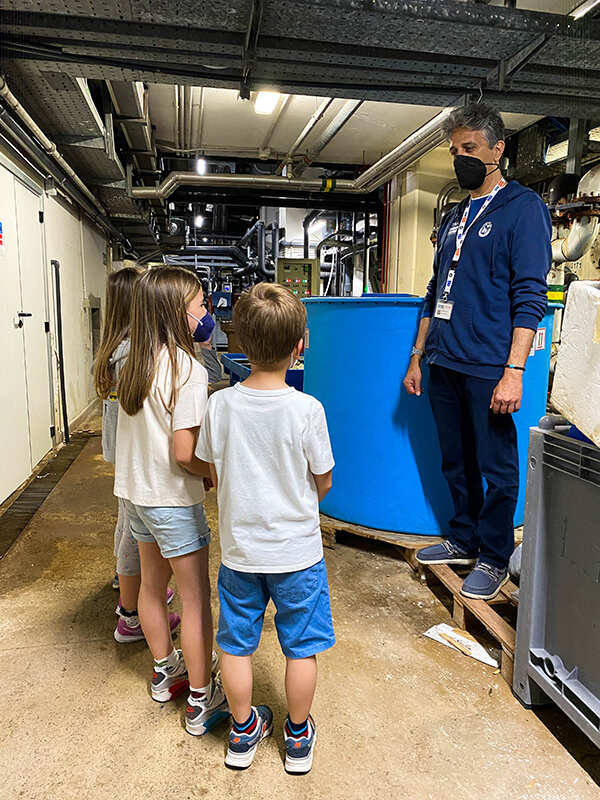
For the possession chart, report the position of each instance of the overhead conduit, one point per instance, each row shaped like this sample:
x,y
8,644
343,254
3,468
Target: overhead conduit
x,y
45,153
397,160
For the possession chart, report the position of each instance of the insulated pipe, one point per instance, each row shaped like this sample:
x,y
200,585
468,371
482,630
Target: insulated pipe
x,y
273,228
176,179
334,127
307,129
399,159
51,167
310,217
46,144
430,133
577,243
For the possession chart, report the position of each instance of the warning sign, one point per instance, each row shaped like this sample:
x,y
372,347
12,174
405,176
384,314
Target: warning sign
x,y
539,341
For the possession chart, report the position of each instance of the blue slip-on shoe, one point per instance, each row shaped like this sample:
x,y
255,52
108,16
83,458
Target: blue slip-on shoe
x,y
445,552
299,750
242,746
485,581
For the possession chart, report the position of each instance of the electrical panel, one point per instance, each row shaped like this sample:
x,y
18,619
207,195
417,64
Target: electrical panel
x,y
301,275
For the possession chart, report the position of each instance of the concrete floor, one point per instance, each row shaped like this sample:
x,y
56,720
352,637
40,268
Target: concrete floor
x,y
399,716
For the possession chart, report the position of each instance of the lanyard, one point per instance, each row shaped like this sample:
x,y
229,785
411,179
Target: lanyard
x,y
462,234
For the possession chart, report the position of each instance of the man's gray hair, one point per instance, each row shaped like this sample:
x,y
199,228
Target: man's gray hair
x,y
476,117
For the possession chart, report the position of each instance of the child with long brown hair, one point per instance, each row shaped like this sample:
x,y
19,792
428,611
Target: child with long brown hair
x,y
163,391
112,353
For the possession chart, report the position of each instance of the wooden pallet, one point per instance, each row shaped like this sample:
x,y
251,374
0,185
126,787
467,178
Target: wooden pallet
x,y
468,613
407,544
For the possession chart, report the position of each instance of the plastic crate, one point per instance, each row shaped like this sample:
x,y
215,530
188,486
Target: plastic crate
x,y
237,366
557,654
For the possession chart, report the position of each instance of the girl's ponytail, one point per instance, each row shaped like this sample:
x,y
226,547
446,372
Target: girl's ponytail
x,y
119,294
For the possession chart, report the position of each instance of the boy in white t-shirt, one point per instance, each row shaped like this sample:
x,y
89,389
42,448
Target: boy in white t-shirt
x,y
271,460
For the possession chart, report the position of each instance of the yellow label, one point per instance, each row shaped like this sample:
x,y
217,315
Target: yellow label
x,y
112,397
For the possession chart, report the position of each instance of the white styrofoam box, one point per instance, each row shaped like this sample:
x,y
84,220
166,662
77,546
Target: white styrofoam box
x,y
576,388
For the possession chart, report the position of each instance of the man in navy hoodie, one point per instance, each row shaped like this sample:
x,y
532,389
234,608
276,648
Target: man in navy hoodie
x,y
483,305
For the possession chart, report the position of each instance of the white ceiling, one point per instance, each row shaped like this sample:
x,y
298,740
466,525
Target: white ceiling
x,y
222,124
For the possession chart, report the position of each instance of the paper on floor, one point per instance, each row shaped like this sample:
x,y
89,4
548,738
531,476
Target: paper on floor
x,y
476,650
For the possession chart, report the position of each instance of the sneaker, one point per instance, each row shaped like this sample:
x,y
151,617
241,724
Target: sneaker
x,y
445,552
169,598
485,581
115,582
202,714
299,749
242,747
129,629
169,683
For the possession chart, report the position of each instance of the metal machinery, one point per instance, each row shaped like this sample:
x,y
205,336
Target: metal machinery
x,y
301,275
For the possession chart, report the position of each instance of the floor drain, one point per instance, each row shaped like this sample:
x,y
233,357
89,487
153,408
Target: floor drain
x,y
20,512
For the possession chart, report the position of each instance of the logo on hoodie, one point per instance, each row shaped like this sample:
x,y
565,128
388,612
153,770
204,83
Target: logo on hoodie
x,y
485,229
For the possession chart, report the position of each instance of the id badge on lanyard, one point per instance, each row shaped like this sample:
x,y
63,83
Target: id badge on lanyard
x,y
444,306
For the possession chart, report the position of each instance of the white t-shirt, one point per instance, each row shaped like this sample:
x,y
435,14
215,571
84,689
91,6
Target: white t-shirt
x,y
146,472
265,445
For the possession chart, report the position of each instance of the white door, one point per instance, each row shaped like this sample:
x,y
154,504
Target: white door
x,y
35,336
25,398
15,464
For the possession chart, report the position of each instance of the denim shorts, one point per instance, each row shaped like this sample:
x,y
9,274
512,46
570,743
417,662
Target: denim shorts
x,y
303,619
177,530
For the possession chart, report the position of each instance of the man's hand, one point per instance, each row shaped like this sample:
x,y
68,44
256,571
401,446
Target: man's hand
x,y
507,394
412,381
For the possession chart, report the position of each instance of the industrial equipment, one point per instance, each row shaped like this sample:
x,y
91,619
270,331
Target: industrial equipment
x,y
301,275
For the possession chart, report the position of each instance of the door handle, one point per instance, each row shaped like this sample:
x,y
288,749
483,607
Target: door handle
x,y
24,314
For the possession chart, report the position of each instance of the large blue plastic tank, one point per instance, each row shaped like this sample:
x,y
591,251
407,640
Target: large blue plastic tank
x,y
388,462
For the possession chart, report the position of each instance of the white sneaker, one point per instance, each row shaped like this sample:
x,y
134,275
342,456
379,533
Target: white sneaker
x,y
204,713
168,683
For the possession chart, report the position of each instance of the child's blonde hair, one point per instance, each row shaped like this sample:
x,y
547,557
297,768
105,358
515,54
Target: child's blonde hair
x,y
158,319
119,293
269,321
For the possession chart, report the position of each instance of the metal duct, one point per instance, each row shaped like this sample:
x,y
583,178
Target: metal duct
x,y
52,168
399,159
45,143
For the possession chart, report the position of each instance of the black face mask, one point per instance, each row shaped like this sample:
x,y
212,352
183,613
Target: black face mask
x,y
471,172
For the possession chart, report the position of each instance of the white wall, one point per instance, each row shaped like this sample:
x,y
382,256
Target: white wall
x,y
413,198
81,248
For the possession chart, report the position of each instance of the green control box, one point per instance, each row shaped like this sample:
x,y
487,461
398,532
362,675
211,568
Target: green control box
x,y
301,275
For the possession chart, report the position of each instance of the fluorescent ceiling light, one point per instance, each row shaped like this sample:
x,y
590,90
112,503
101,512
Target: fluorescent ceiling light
x,y
199,221
265,102
584,8
201,166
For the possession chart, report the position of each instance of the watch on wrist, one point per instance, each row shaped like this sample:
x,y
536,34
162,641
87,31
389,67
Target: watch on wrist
x,y
416,352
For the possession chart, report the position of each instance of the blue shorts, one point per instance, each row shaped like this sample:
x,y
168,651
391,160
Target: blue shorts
x,y
303,619
177,530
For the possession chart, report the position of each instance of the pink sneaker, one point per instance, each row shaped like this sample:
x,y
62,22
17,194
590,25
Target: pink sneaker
x,y
169,598
130,630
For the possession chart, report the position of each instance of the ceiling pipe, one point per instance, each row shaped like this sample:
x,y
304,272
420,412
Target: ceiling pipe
x,y
335,126
421,141
46,144
401,158
318,115
41,158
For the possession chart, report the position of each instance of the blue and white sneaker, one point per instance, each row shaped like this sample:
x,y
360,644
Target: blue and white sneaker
x,y
203,713
445,552
485,581
242,747
299,750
